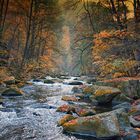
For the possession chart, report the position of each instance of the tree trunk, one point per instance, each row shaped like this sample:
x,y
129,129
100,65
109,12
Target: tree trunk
x,y
116,14
27,44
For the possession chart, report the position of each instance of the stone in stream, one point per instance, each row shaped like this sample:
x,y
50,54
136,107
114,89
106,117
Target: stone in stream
x,y
103,94
66,108
70,98
79,110
84,112
91,80
76,89
12,92
48,81
75,83
37,80
104,125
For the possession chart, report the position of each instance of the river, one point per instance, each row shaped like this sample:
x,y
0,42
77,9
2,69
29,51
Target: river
x,y
33,116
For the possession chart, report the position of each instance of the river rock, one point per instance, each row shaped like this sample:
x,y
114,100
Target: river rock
x,y
135,114
48,81
65,119
105,94
80,95
76,90
94,102
131,136
89,90
84,112
37,80
70,98
104,125
2,85
135,120
121,98
12,92
136,102
75,83
66,109
124,105
129,86
91,80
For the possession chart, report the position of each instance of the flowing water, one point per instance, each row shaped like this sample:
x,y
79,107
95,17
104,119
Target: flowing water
x,y
33,116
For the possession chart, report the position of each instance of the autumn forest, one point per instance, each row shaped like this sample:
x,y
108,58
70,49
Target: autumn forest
x,y
69,37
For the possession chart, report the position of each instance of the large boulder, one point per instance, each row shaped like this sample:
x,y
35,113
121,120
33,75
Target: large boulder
x,y
12,92
103,94
129,86
104,125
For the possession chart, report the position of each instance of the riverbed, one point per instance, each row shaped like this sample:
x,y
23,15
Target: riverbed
x,y
33,116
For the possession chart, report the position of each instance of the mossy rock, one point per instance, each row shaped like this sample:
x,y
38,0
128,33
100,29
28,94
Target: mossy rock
x,y
12,92
105,94
104,125
65,119
89,89
47,81
128,86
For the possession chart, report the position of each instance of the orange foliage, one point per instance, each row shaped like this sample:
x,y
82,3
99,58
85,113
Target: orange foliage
x,y
112,54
